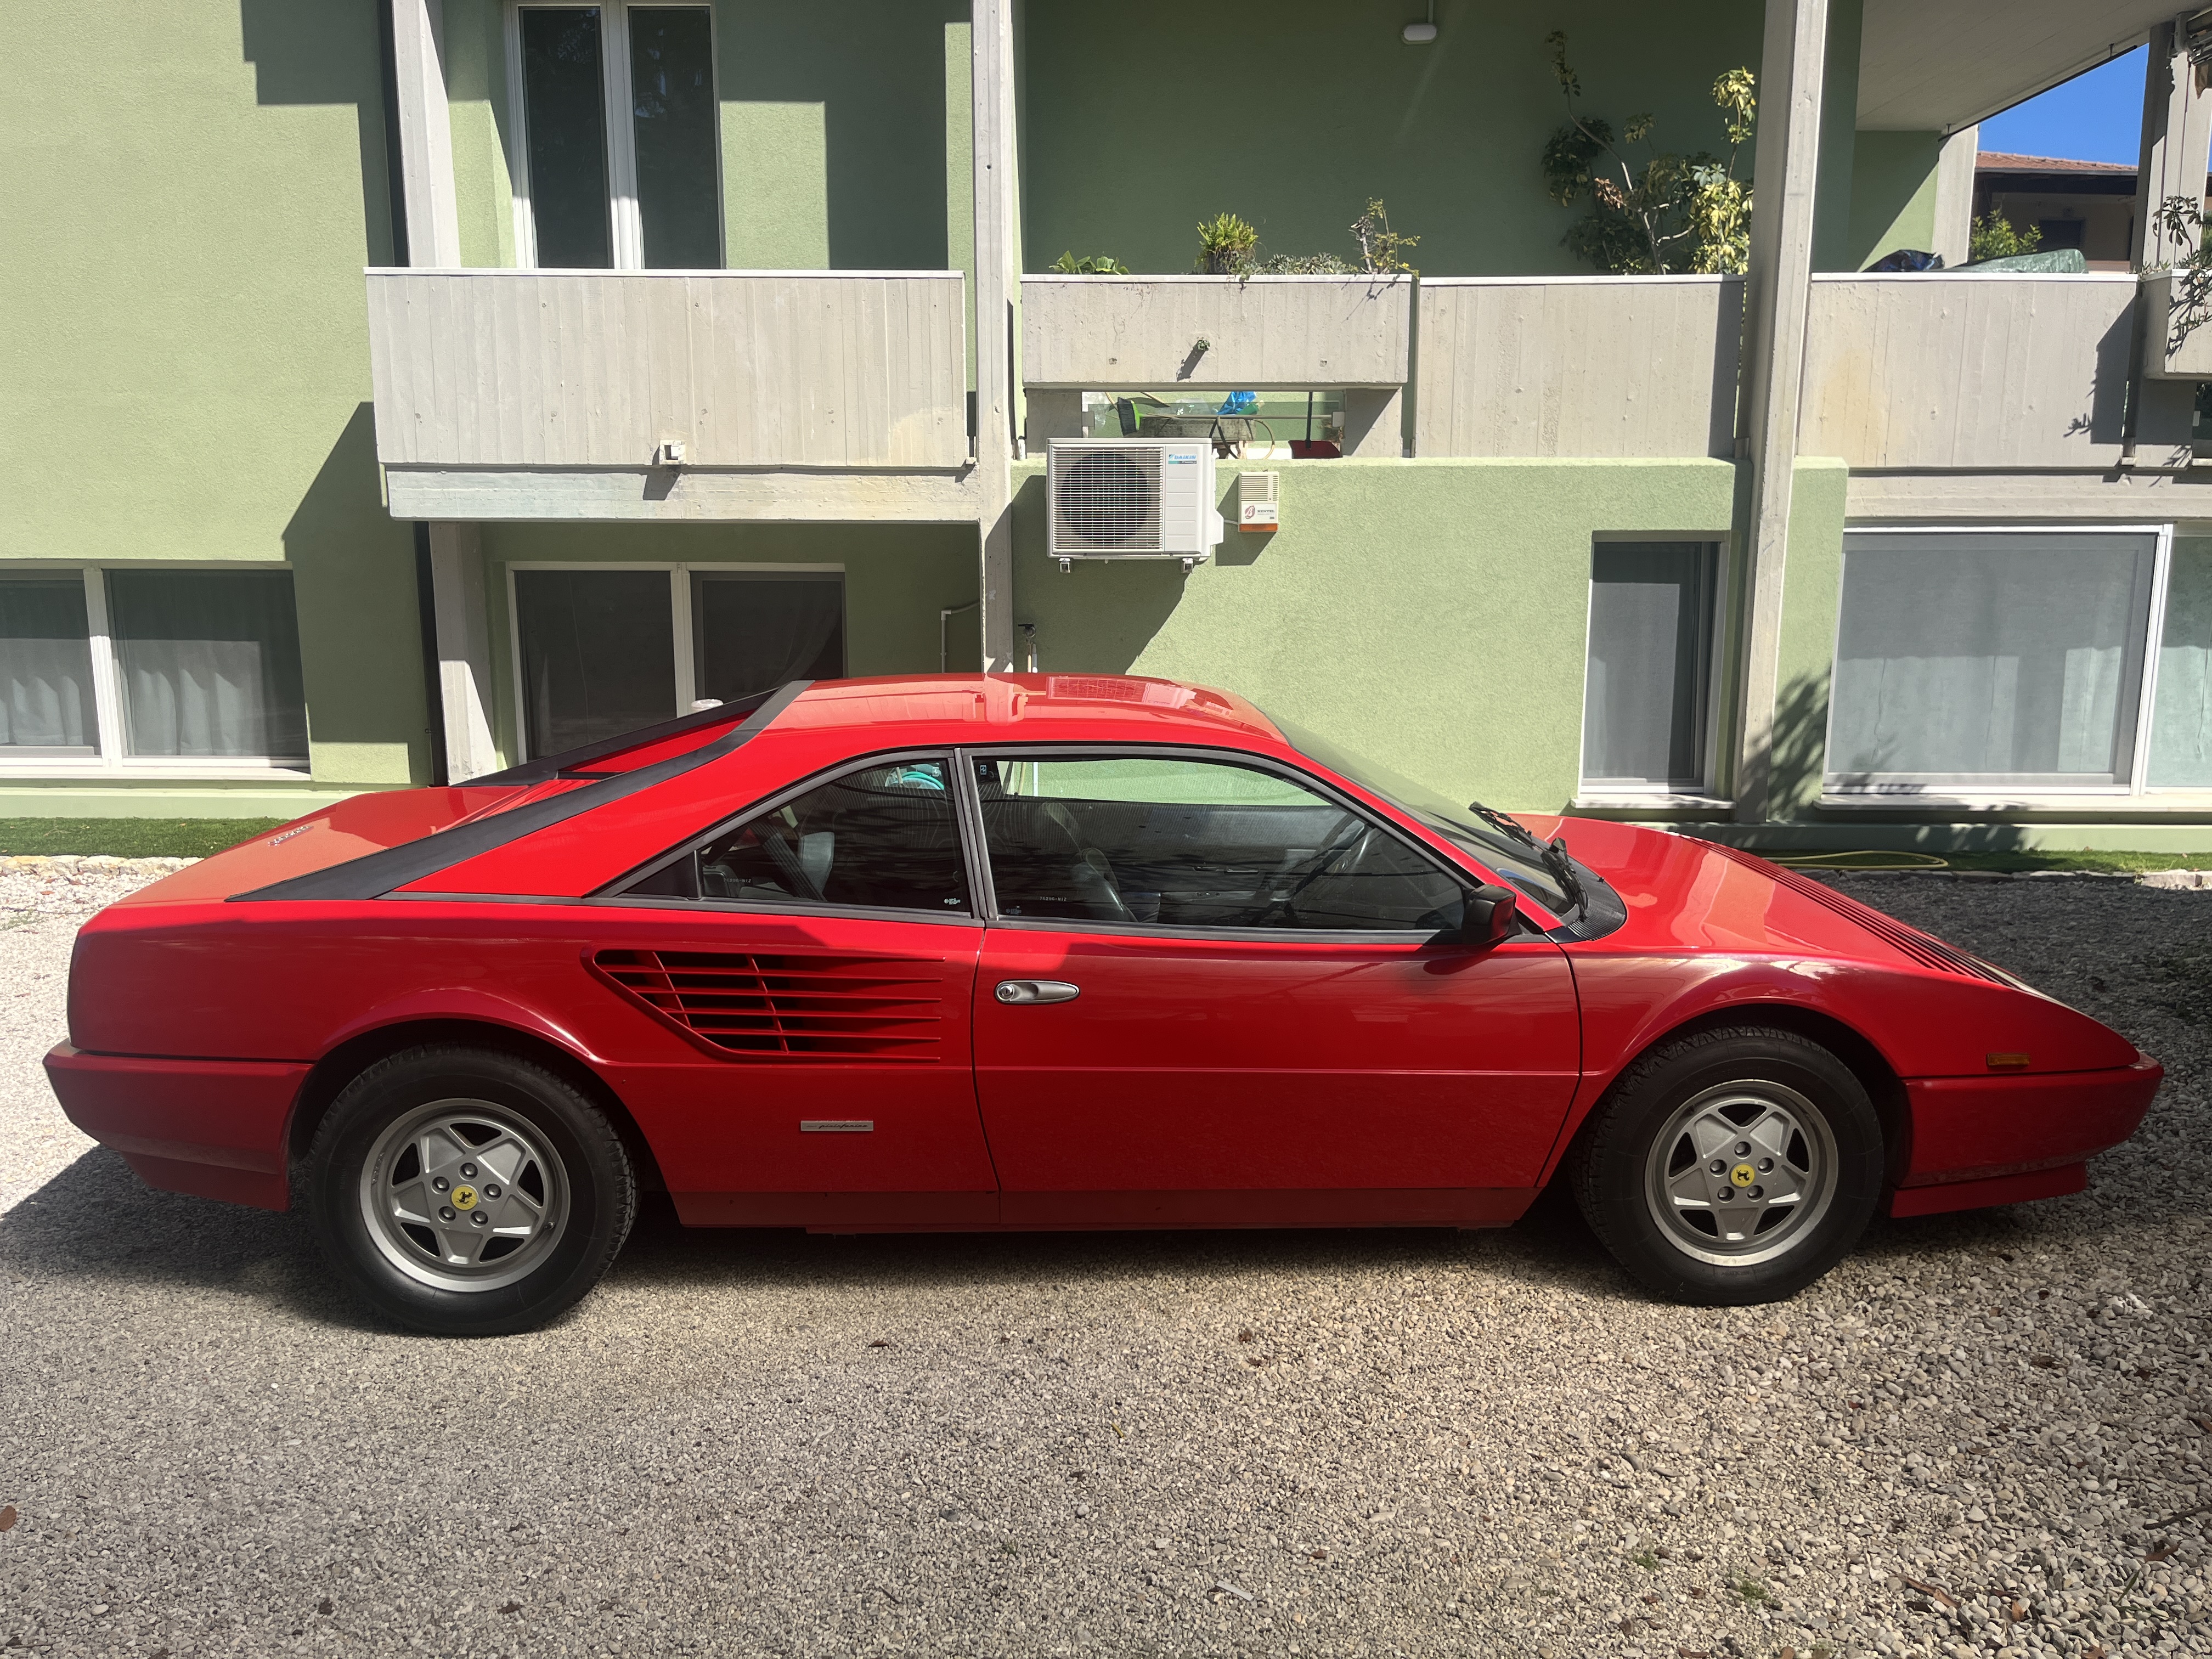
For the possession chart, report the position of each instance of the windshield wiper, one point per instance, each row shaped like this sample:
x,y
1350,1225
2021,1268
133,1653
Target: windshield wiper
x,y
1562,868
1497,820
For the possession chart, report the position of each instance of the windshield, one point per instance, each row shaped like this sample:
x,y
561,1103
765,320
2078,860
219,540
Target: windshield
x,y
1514,860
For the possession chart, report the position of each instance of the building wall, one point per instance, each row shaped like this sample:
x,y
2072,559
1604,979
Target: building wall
x,y
1147,116
192,190
1432,614
1893,195
897,579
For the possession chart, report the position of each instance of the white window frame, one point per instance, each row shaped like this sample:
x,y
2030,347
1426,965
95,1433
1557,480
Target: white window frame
x,y
111,762
1704,794
2137,788
626,224
679,617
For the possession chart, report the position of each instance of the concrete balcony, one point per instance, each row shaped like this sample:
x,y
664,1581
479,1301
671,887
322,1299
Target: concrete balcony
x,y
1968,372
520,394
2173,352
1588,367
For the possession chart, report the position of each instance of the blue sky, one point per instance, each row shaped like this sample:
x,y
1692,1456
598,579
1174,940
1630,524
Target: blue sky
x,y
2097,117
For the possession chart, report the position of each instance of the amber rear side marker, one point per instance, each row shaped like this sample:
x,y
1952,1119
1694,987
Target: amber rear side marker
x,y
2007,1062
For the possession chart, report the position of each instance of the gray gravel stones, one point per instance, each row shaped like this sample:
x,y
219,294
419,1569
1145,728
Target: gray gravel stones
x,y
1979,1435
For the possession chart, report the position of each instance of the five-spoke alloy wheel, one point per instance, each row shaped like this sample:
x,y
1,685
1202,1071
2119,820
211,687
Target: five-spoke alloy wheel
x,y
469,1192
1731,1166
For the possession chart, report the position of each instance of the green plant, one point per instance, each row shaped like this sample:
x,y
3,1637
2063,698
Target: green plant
x,y
1994,238
1382,250
1671,213
1091,264
1227,246
1302,264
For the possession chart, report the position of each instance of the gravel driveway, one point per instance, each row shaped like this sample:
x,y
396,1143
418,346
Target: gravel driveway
x,y
1974,1436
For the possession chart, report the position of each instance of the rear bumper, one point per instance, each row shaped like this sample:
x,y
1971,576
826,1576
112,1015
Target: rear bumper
x,y
1982,1140
211,1128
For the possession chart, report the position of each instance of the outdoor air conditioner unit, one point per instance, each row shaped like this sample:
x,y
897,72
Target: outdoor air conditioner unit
x,y
1131,498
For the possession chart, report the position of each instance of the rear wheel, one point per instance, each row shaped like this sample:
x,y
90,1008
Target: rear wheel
x,y
1732,1166
468,1192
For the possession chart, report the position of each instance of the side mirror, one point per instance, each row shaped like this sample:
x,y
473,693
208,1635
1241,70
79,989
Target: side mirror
x,y
1486,917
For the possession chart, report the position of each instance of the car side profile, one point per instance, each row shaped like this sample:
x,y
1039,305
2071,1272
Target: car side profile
x,y
974,952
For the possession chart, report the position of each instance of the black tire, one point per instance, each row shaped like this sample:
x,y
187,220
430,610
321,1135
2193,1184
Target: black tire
x,y
539,1124
1623,1179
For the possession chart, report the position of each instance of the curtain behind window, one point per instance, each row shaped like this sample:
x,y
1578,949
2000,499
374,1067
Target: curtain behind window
x,y
755,633
209,664
46,668
2181,724
2008,660
598,654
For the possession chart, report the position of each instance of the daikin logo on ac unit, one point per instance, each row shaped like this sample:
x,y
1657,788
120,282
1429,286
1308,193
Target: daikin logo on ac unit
x,y
1131,498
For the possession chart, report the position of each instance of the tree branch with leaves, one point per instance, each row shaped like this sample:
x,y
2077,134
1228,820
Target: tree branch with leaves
x,y
1665,213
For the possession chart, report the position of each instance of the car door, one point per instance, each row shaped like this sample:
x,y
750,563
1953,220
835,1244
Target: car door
x,y
817,957
1212,991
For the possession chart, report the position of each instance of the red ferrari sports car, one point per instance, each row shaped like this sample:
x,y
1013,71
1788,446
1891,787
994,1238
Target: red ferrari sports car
x,y
1043,952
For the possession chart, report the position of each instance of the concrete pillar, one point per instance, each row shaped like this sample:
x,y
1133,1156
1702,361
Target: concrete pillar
x,y
1374,422
2176,122
998,290
1954,194
463,615
426,134
2177,131
1785,185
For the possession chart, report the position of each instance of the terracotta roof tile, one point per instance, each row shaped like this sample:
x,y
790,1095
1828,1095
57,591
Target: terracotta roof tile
x,y
1997,161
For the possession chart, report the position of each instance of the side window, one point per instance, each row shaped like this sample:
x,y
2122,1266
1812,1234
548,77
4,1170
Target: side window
x,y
883,838
1189,843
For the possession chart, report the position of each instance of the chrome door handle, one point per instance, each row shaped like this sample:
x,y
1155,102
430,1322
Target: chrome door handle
x,y
1036,990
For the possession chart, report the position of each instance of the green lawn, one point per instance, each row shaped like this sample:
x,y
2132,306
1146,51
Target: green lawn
x,y
129,838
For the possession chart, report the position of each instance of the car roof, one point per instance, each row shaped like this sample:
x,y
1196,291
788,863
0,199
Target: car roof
x,y
1033,705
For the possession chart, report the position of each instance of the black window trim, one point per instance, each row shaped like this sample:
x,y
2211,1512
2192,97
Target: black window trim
x,y
969,755
616,891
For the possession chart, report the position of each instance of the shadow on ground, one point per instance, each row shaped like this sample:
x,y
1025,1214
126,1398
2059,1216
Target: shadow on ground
x,y
96,1222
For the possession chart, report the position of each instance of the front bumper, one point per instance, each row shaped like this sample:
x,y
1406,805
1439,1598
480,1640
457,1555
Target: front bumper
x,y
211,1128
1984,1140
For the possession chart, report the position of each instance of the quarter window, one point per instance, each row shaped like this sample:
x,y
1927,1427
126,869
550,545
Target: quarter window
x,y
885,837
1172,843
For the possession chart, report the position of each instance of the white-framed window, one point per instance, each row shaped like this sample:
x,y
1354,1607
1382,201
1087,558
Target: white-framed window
x,y
2002,667
1650,691
602,649
617,159
163,671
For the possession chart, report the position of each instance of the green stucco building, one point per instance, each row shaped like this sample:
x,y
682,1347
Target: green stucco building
x,y
393,390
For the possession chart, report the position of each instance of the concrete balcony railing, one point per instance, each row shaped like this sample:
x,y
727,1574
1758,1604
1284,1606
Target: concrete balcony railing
x,y
1255,334
519,393
2172,352
1968,372
1599,366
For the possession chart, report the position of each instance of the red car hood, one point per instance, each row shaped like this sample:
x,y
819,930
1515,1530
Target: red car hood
x,y
1703,896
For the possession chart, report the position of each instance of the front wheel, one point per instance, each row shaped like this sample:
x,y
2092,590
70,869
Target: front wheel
x,y
1732,1166
467,1192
